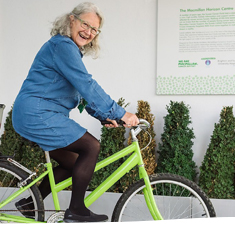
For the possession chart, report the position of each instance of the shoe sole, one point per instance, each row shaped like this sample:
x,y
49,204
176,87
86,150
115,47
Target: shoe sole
x,y
84,221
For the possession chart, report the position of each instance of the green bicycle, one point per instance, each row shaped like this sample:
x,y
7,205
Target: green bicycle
x,y
155,197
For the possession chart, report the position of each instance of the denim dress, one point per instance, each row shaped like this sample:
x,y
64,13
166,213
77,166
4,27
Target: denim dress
x,y
57,81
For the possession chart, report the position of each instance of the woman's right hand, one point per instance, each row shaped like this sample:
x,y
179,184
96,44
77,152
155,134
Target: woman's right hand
x,y
130,119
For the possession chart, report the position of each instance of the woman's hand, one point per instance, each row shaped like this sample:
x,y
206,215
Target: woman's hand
x,y
114,123
130,119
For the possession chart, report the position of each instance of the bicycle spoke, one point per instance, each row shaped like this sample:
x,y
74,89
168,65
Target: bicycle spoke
x,y
176,198
10,177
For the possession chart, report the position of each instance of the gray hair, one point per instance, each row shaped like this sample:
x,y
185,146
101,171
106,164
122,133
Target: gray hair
x,y
62,26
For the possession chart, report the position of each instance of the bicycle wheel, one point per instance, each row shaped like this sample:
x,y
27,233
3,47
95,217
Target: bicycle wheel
x,y
10,176
176,198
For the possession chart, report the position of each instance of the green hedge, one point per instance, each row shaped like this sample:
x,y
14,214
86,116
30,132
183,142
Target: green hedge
x,y
175,150
217,169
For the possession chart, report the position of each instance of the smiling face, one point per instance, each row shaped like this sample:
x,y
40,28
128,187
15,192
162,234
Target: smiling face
x,y
80,35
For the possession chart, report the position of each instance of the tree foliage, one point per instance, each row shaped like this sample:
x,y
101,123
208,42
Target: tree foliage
x,y
26,153
175,150
217,169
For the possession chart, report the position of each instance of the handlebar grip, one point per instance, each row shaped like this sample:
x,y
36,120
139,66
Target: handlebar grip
x,y
143,123
119,122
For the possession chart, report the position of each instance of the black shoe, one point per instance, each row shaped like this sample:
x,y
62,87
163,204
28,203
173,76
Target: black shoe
x,y
69,217
24,208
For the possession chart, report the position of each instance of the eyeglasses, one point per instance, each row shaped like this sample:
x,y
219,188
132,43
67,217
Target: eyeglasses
x,y
86,26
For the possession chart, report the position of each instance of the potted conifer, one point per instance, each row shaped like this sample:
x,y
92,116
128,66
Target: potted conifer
x,y
217,170
175,150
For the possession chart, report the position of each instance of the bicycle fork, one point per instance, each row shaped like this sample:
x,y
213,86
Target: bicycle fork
x,y
148,192
148,195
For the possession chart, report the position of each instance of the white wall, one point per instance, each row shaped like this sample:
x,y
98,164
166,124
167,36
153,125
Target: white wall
x,y
126,68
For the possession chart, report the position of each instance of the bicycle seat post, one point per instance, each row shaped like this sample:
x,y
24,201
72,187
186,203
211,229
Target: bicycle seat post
x,y
47,155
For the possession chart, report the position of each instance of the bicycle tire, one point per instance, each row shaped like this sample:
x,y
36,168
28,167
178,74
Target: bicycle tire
x,y
183,199
10,176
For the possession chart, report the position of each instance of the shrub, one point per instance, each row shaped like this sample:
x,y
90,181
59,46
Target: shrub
x,y
10,141
175,150
217,169
26,153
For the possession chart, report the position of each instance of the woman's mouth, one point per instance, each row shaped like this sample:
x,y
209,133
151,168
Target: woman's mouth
x,y
83,36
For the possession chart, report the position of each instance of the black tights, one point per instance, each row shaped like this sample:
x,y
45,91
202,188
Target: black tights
x,y
77,160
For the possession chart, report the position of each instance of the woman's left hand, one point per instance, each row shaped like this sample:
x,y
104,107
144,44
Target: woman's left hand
x,y
114,123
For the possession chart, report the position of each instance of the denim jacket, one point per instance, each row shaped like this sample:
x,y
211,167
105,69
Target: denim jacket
x,y
56,82
59,76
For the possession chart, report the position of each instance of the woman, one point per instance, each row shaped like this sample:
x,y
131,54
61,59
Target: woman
x,y
57,83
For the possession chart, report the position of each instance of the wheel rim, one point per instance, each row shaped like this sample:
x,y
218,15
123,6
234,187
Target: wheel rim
x,y
8,176
180,202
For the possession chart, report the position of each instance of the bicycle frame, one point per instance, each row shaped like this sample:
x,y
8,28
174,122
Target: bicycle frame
x,y
134,159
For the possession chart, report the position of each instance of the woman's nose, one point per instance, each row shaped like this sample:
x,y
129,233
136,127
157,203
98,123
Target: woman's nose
x,y
88,31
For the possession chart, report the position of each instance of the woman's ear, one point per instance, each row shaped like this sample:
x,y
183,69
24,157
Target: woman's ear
x,y
71,17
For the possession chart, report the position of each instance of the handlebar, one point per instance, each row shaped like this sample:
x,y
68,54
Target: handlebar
x,y
143,124
135,130
119,122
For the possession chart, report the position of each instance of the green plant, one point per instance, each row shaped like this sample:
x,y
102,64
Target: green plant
x,y
112,140
217,169
10,141
175,150
148,154
12,144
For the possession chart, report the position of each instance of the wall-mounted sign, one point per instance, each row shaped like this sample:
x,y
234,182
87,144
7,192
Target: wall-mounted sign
x,y
196,47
